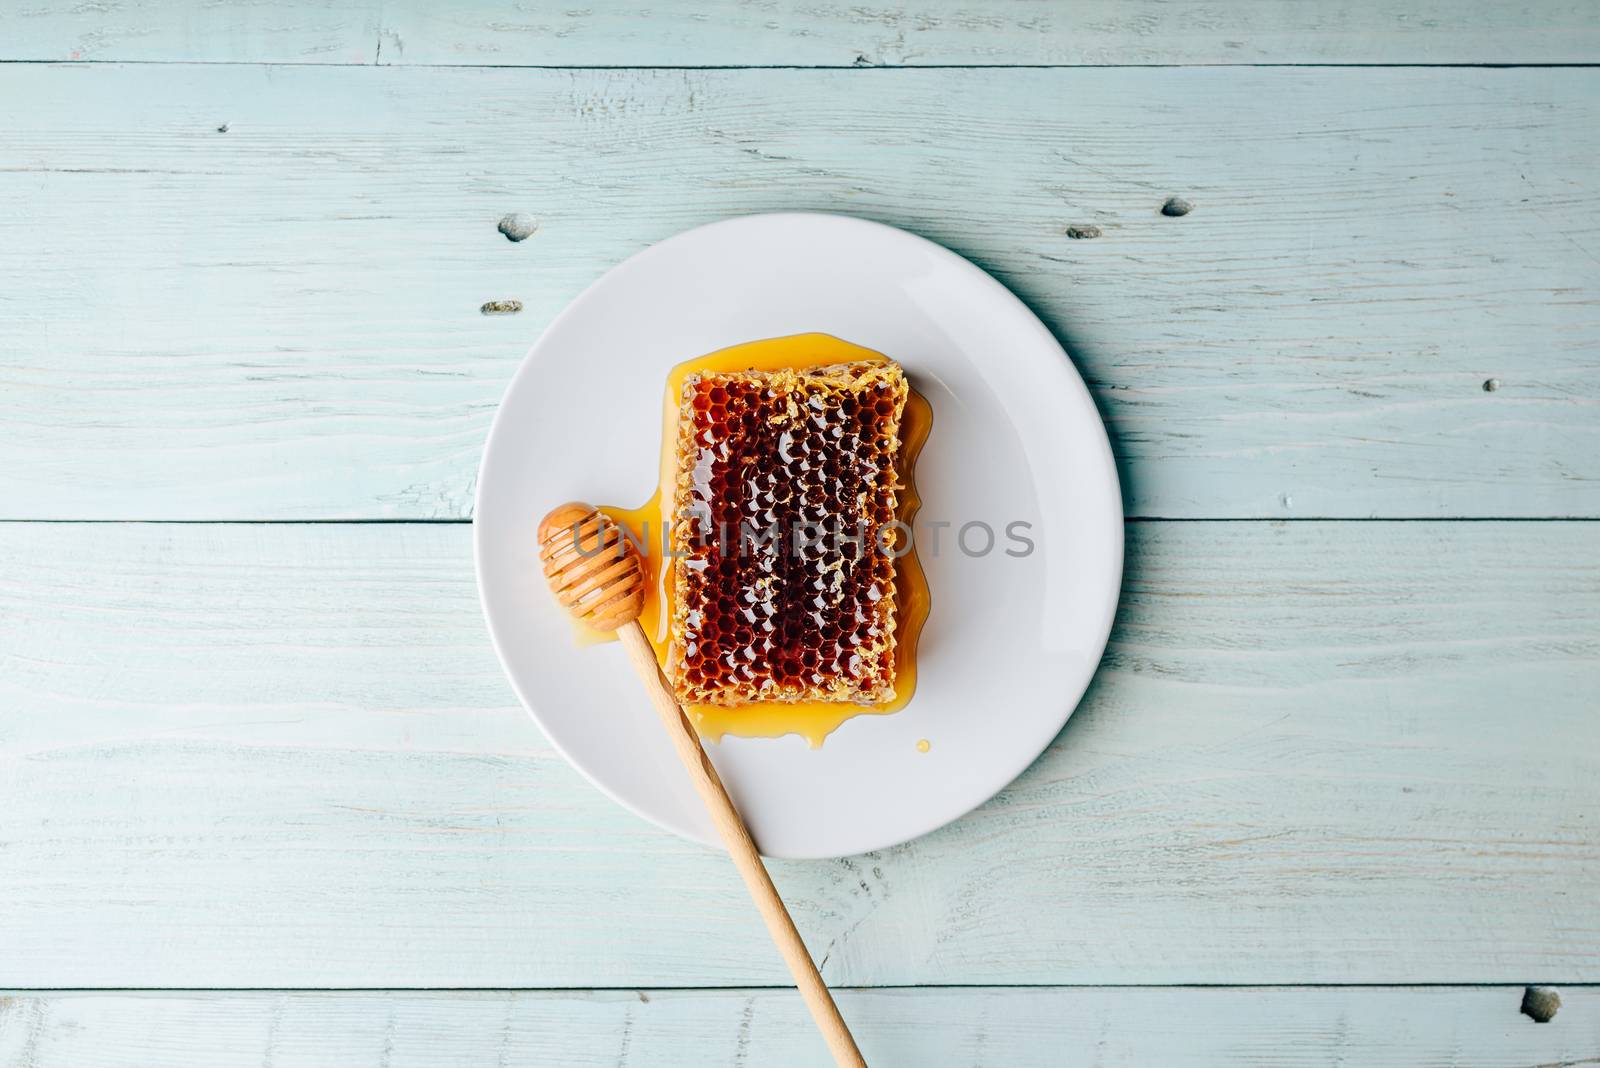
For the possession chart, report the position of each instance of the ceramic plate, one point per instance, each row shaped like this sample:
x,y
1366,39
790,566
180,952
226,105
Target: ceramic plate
x,y
1014,635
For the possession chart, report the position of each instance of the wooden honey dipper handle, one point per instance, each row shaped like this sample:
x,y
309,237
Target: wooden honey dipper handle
x,y
595,572
742,849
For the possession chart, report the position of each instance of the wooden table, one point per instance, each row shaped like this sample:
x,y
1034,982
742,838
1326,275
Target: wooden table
x,y
265,797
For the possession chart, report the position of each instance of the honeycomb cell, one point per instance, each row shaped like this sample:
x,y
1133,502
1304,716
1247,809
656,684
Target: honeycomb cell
x,y
776,470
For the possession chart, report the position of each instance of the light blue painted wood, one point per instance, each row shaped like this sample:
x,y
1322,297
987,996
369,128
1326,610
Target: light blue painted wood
x,y
731,32
280,755
281,321
1462,1027
283,755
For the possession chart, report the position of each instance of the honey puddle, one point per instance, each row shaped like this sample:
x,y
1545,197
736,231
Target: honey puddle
x,y
812,720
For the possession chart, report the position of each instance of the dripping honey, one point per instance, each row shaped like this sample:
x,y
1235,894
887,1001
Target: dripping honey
x,y
811,720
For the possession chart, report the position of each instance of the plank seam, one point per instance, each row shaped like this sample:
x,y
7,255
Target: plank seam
x,y
783,66
756,988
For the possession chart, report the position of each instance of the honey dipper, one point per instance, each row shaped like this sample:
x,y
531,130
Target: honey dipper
x,y
596,574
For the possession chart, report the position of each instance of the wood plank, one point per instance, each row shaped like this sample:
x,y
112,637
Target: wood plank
x,y
737,33
283,756
1277,1026
196,320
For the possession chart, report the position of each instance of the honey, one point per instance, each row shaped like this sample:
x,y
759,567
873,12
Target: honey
x,y
785,485
851,649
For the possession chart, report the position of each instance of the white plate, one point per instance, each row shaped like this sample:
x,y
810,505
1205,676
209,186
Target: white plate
x,y
1011,642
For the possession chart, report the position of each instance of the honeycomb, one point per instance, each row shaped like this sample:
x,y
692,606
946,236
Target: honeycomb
x,y
784,480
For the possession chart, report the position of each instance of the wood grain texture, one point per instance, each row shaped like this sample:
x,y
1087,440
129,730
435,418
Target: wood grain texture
x,y
768,33
281,321
283,756
1461,1027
